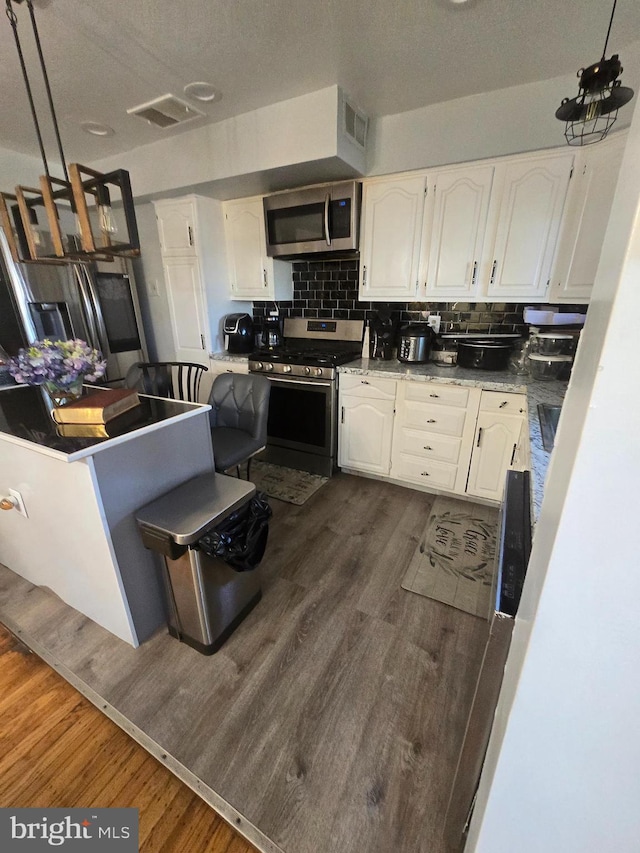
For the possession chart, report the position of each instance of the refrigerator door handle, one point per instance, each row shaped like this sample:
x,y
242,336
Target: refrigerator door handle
x,y
92,310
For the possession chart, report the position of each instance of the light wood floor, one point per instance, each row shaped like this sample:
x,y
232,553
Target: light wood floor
x,y
332,719
59,750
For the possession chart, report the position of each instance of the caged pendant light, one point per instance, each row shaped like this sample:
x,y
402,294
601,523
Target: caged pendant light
x,y
590,116
68,219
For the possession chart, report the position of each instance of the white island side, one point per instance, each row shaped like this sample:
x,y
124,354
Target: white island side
x,y
80,537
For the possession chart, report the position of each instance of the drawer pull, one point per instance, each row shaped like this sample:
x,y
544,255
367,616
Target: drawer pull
x,y
513,455
424,474
426,447
503,404
434,395
364,381
479,437
432,421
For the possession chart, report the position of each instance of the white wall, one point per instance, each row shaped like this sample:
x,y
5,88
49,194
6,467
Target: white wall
x,y
508,121
291,132
20,170
562,767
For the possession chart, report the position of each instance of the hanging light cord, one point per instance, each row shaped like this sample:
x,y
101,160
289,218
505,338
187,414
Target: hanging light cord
x,y
13,20
606,41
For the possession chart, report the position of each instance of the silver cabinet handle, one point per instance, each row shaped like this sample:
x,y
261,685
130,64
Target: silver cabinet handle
x,y
424,474
364,381
513,455
432,421
474,273
435,395
342,416
426,447
364,276
264,277
190,235
493,271
479,437
503,404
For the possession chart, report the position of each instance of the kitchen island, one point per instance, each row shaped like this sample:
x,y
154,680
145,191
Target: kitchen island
x,y
79,536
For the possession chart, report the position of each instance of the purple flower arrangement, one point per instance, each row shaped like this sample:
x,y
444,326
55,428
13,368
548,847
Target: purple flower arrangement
x,y
57,363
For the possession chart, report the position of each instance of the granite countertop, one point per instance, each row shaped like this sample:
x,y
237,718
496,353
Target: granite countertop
x,y
238,358
537,391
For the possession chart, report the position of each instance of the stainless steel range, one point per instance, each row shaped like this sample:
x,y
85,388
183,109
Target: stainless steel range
x,y
303,406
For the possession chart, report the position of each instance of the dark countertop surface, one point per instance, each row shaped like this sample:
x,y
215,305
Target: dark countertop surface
x,y
25,414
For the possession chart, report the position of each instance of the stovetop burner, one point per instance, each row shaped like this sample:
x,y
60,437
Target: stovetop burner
x,y
297,355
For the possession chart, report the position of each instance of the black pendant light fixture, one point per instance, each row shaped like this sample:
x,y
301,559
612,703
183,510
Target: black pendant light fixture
x,y
590,116
71,218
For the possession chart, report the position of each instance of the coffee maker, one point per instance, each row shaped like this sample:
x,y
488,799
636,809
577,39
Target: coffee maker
x,y
238,333
382,336
271,333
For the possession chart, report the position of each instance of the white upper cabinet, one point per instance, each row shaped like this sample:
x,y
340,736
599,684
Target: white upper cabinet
x,y
530,195
452,252
253,275
392,212
588,208
177,228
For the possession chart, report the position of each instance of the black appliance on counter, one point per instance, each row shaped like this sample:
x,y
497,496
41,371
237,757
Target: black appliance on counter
x,y
271,333
416,340
302,430
382,336
238,333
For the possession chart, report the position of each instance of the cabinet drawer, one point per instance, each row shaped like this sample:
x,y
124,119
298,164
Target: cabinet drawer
x,y
424,471
431,392
428,446
434,418
507,404
367,386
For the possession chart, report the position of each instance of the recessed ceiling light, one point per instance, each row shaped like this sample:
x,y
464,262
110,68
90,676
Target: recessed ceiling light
x,y
97,129
202,92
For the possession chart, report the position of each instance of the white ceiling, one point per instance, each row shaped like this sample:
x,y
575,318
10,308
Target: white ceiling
x,y
388,55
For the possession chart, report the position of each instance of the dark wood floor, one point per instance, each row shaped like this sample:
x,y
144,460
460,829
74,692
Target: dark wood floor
x,y
332,719
59,750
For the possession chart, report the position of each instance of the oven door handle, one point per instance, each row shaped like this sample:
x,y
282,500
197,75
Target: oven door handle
x,y
321,384
327,236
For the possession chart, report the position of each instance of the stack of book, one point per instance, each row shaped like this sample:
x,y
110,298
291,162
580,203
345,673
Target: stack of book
x,y
99,413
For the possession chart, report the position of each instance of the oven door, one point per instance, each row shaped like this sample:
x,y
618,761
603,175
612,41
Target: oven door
x,y
302,415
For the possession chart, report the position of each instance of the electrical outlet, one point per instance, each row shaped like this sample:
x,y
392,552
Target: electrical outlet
x,y
20,508
434,321
274,314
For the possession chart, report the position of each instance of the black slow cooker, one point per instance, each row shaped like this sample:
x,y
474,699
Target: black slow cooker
x,y
484,354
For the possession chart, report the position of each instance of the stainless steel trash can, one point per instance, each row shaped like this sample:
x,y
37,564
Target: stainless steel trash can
x,y
207,599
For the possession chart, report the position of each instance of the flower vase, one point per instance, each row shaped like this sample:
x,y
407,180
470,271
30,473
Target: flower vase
x,y
60,395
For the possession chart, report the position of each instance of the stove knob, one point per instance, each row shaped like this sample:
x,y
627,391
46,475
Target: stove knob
x,y
259,365
286,368
307,371
318,371
269,368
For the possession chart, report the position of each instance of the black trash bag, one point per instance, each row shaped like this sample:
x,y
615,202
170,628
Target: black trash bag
x,y
241,539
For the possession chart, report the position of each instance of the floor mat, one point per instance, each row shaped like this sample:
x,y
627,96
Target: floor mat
x,y
455,560
285,484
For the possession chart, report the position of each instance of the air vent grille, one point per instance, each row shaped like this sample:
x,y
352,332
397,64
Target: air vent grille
x,y
166,111
355,125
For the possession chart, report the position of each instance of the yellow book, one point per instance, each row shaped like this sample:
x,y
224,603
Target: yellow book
x,y
116,426
97,407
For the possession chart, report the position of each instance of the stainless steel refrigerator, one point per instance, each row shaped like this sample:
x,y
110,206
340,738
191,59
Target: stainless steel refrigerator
x,y
95,302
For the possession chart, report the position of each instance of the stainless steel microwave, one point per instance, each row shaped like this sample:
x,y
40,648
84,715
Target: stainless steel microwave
x,y
323,218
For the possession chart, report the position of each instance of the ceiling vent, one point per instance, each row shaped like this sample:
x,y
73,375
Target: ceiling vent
x,y
166,111
355,124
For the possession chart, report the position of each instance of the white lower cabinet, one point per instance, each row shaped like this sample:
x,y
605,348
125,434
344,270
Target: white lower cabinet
x,y
497,446
431,435
367,407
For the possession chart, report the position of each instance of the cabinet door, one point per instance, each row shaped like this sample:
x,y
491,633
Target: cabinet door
x,y
188,309
588,207
392,212
531,205
494,450
176,228
366,427
246,254
461,202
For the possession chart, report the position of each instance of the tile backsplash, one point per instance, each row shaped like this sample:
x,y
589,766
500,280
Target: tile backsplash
x,y
329,289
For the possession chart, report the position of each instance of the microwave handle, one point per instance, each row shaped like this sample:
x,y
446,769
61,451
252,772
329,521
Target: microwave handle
x,y
327,236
